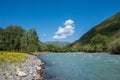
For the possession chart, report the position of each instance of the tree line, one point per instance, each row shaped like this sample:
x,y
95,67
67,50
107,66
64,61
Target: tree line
x,y
15,38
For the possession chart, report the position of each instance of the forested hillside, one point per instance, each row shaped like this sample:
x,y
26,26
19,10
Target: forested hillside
x,y
57,43
15,38
101,38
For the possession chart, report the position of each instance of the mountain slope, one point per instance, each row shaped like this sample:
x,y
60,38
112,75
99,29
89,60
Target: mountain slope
x,y
109,29
57,43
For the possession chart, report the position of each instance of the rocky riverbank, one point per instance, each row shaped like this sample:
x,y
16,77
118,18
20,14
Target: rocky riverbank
x,y
30,69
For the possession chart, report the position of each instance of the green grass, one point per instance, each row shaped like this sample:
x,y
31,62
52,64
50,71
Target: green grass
x,y
12,57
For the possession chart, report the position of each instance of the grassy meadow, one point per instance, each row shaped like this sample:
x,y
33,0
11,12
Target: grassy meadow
x,y
12,57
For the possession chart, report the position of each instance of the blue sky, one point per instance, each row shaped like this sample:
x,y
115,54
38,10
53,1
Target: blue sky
x,y
63,20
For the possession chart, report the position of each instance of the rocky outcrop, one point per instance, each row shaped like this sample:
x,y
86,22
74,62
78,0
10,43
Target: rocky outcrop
x,y
30,69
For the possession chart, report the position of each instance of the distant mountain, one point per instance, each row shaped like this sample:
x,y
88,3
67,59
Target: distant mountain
x,y
103,37
57,43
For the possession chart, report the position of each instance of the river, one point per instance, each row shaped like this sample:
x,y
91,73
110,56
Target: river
x,y
81,66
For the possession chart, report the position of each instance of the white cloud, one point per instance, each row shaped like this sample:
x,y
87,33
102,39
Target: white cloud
x,y
59,37
44,35
69,22
64,32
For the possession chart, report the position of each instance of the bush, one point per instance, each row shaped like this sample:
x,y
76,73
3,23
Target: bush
x,y
115,47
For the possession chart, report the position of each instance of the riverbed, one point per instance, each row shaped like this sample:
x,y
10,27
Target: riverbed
x,y
81,66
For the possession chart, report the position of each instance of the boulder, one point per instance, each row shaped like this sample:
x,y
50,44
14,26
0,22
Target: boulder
x,y
21,73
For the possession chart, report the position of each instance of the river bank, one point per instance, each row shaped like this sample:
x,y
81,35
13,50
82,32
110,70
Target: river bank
x,y
30,69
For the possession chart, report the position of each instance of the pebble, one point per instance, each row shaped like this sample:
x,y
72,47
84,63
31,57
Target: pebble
x,y
30,69
38,68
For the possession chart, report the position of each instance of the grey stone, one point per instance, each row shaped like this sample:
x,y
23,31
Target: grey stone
x,y
22,71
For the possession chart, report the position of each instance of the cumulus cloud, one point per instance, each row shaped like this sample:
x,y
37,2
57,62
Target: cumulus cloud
x,y
69,22
64,32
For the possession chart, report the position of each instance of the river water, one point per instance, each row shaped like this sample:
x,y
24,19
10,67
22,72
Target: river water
x,y
81,66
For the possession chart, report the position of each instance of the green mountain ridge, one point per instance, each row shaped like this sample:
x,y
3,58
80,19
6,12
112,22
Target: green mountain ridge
x,y
57,43
108,31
